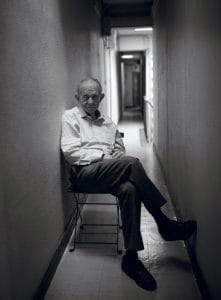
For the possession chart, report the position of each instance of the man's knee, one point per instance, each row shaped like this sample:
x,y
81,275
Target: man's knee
x,y
130,160
128,197
127,188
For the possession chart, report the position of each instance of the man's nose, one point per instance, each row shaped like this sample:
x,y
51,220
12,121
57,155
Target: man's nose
x,y
90,100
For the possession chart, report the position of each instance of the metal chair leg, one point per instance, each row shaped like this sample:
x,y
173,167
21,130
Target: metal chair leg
x,y
77,216
118,228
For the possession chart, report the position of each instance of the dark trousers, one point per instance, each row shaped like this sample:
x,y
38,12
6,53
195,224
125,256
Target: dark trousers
x,y
125,178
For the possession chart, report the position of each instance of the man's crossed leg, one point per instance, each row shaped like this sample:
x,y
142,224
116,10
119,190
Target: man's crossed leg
x,y
126,178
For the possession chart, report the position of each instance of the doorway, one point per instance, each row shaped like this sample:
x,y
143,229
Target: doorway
x,y
131,66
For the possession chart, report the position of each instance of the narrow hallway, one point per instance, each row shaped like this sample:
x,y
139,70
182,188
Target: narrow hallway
x,y
47,48
94,272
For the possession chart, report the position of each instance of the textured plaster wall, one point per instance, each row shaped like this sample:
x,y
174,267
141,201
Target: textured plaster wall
x,y
5,287
160,82
46,48
188,72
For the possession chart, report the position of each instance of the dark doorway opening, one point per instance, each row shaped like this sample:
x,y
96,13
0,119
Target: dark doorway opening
x,y
131,66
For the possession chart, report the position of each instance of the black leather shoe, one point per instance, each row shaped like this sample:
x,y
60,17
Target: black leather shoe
x,y
136,270
176,230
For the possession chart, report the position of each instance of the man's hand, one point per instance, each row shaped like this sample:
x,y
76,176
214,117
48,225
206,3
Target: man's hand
x,y
107,156
116,154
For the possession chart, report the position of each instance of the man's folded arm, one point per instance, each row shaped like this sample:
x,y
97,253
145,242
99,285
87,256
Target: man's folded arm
x,y
71,145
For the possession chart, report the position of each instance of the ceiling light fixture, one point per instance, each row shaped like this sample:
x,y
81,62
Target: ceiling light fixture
x,y
127,56
144,29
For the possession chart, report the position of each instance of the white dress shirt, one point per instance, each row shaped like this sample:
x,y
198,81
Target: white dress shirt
x,y
85,140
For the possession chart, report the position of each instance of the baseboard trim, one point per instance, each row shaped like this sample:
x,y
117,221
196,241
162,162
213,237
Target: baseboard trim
x,y
46,280
201,282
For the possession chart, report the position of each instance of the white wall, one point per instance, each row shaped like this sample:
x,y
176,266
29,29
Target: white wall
x,y
133,42
187,48
111,88
46,49
115,114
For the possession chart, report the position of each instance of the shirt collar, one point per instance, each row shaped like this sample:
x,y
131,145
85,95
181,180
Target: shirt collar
x,y
84,115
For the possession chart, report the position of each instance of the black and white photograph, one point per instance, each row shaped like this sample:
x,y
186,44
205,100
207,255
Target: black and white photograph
x,y
110,134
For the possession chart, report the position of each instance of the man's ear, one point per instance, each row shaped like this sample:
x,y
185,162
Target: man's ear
x,y
76,97
102,96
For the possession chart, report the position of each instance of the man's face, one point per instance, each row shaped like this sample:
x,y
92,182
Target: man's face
x,y
89,96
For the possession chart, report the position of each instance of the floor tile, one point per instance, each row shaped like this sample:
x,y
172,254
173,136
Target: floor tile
x,y
180,286
153,235
169,256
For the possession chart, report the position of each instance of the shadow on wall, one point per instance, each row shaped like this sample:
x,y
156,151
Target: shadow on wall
x,y
77,47
67,198
76,34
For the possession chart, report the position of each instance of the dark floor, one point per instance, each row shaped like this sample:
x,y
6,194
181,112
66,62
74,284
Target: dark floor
x,y
93,272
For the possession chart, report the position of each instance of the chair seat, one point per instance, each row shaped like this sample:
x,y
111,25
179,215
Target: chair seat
x,y
72,189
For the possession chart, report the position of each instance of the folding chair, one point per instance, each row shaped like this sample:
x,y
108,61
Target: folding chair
x,y
79,216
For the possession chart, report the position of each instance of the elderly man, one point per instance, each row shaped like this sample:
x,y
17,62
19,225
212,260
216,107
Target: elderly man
x,y
93,147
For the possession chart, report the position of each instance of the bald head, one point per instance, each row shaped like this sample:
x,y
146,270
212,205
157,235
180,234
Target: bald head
x,y
89,82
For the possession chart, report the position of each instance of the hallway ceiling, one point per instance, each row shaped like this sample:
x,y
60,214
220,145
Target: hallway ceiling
x,y
125,13
127,7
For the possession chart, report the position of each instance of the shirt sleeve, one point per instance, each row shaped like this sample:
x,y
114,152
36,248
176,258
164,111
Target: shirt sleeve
x,y
71,146
119,149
